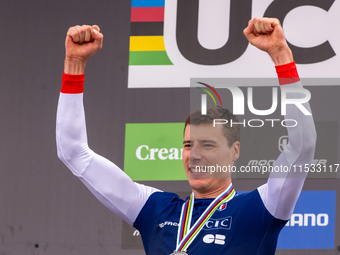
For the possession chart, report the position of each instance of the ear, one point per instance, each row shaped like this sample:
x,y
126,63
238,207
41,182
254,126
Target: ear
x,y
236,150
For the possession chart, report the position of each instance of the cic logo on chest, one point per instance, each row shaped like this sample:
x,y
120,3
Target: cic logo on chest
x,y
223,223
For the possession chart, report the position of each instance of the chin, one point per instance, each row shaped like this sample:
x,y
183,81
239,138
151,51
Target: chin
x,y
198,183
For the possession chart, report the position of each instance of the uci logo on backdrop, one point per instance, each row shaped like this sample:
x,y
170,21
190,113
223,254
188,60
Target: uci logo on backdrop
x,y
172,41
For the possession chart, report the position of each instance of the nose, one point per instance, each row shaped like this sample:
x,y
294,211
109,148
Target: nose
x,y
195,152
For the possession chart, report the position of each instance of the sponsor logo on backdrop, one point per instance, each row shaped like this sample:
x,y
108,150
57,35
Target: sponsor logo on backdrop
x,y
283,141
172,41
312,225
308,219
258,163
153,151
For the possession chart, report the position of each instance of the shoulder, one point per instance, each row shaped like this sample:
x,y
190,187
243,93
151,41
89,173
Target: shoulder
x,y
246,194
158,199
248,198
158,206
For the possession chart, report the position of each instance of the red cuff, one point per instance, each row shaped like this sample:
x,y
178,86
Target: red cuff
x,y
287,73
72,84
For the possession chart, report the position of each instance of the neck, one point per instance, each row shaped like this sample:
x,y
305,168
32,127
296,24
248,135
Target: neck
x,y
211,193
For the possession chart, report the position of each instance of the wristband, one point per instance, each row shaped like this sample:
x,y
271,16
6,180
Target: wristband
x,y
287,73
72,84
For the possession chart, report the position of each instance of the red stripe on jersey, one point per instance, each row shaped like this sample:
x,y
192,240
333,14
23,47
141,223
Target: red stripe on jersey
x,y
72,84
147,14
287,73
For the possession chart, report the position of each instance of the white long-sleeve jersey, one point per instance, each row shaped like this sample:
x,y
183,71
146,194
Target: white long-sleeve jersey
x,y
127,198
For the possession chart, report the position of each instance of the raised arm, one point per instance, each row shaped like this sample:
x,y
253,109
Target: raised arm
x,y
282,190
103,178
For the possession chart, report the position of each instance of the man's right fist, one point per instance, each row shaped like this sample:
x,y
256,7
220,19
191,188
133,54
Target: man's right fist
x,y
82,42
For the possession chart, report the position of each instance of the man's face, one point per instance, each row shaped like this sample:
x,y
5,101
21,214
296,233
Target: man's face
x,y
206,146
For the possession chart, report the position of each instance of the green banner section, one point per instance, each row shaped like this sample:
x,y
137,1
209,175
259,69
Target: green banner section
x,y
153,151
149,58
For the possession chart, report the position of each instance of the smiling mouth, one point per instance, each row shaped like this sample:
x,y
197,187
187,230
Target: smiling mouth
x,y
195,174
198,170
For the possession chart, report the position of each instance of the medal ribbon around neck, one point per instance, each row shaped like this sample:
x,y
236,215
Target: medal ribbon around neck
x,y
185,234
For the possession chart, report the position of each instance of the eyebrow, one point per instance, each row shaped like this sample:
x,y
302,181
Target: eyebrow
x,y
207,141
200,141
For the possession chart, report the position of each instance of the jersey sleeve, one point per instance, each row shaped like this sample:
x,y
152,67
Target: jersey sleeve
x,y
283,188
103,178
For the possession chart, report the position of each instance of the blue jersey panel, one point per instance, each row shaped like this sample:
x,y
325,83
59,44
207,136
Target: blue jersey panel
x,y
242,226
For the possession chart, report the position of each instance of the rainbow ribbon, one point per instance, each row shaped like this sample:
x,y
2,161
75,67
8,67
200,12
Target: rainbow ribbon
x,y
186,235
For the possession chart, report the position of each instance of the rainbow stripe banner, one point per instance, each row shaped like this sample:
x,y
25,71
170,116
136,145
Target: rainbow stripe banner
x,y
147,36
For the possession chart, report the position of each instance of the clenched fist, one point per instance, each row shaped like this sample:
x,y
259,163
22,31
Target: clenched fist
x,y
267,34
81,43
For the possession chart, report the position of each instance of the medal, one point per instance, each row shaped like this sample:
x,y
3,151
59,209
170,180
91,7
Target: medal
x,y
185,234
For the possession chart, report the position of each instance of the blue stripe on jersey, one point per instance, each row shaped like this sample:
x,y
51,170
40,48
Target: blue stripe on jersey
x,y
147,3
